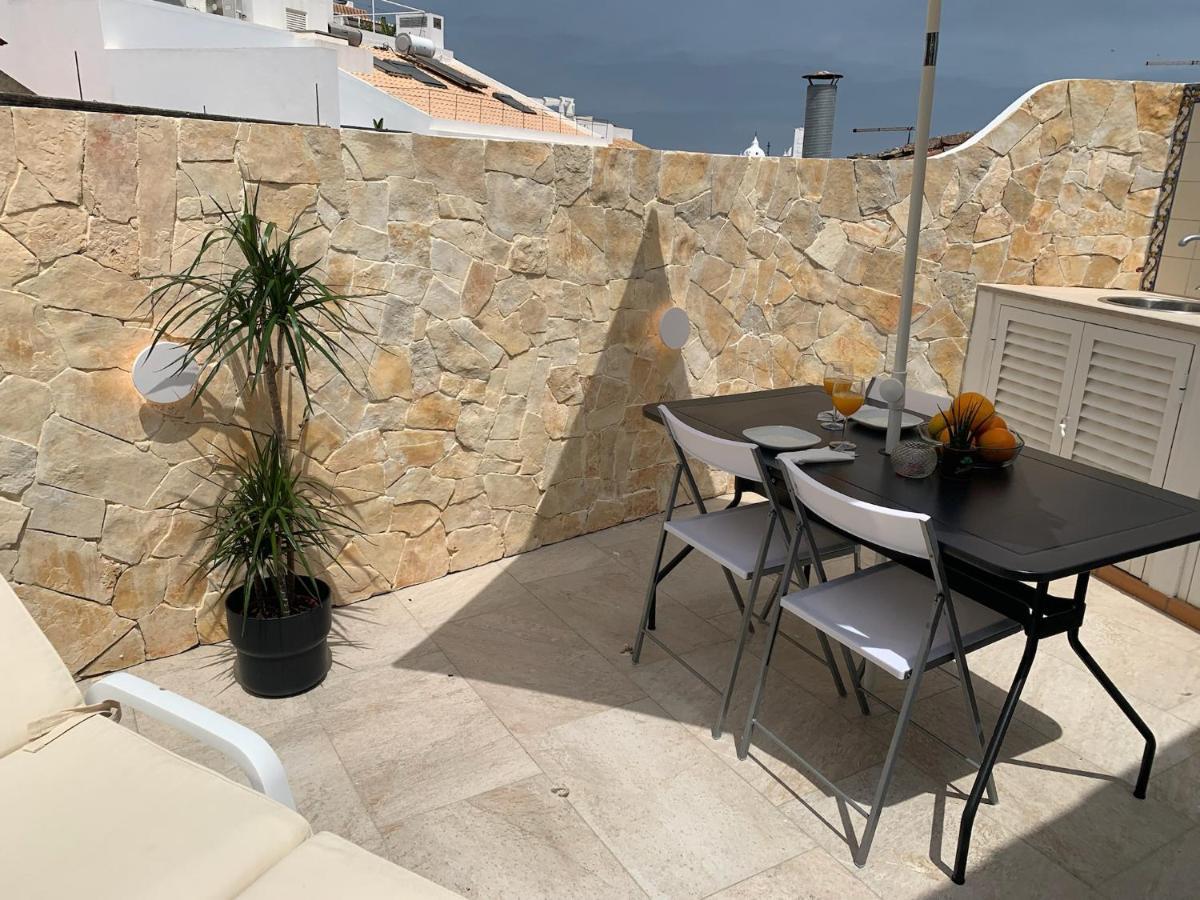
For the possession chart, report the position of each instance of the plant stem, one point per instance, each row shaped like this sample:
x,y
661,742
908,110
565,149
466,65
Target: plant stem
x,y
272,371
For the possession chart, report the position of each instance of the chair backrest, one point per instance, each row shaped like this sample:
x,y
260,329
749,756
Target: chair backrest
x,y
920,402
34,683
894,529
734,457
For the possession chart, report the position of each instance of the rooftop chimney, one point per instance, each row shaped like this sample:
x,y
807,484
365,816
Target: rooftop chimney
x,y
819,107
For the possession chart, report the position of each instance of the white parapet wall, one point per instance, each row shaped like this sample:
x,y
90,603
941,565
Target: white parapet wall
x,y
146,53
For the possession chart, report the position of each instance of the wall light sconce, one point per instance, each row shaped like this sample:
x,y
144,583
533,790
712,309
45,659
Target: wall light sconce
x,y
160,375
674,327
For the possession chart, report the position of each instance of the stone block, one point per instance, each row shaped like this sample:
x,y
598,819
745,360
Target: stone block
x,y
80,630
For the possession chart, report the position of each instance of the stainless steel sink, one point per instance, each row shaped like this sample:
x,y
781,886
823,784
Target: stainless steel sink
x,y
1149,301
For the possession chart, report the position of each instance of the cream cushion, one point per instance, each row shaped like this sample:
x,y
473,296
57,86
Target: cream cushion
x,y
100,812
327,867
35,681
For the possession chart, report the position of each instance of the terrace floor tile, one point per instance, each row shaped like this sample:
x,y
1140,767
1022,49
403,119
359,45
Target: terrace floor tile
x,y
489,731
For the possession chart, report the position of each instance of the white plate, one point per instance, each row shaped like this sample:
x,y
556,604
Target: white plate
x,y
876,417
782,437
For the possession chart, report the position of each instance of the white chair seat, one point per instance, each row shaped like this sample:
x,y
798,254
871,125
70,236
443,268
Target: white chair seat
x,y
882,614
732,537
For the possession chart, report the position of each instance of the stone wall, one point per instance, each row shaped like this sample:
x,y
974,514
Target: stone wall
x,y
498,407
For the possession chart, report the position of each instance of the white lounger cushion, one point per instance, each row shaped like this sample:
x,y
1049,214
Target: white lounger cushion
x,y
327,867
732,537
882,614
35,681
101,813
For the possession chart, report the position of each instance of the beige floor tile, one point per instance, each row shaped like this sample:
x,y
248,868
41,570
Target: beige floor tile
x,y
417,738
1170,873
532,670
913,850
604,605
1144,667
837,745
1065,806
640,529
555,559
403,741
462,594
376,632
1066,703
322,789
1106,603
678,819
1178,786
205,675
1189,711
518,841
814,875
697,582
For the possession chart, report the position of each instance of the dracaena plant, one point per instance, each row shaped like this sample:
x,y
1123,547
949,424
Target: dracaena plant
x,y
246,303
961,424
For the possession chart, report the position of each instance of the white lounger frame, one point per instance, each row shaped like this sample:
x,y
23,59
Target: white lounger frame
x,y
245,747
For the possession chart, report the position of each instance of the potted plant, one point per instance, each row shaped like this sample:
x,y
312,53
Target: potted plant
x,y
245,303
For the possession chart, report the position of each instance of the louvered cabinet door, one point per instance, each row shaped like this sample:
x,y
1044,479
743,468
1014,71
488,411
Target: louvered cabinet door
x,y
1033,361
1124,405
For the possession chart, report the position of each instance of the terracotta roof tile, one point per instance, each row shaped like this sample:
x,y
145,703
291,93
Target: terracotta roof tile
x,y
458,104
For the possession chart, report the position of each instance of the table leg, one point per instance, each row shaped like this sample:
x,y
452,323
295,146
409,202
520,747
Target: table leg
x,y
1101,676
984,776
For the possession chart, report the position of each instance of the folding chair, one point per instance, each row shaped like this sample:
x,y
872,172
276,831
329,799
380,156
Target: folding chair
x,y
890,615
742,540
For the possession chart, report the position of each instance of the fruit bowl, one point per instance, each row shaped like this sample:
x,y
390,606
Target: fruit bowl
x,y
979,458
1001,459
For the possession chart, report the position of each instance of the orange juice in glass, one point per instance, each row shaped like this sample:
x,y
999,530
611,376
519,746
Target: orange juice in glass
x,y
835,377
848,397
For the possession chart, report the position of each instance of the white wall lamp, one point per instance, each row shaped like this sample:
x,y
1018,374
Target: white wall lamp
x,y
161,375
674,327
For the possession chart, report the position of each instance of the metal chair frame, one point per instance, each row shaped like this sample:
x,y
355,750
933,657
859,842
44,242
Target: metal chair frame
x,y
942,602
659,572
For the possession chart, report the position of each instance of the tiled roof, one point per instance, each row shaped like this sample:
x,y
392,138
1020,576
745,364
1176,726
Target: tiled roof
x,y
937,144
345,9
458,104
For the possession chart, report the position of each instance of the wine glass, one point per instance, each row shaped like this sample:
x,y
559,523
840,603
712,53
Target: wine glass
x,y
834,377
848,396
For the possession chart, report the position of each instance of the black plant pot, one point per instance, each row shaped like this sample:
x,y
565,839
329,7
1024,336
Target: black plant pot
x,y
957,463
282,656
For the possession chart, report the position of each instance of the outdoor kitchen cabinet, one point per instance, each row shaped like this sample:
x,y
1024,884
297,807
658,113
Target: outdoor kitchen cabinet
x,y
1106,386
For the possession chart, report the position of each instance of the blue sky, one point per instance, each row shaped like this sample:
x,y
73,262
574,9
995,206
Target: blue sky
x,y
701,75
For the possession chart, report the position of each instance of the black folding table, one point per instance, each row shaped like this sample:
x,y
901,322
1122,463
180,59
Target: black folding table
x,y
1004,535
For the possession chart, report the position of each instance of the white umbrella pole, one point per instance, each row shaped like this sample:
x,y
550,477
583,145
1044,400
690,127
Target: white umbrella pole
x,y
912,241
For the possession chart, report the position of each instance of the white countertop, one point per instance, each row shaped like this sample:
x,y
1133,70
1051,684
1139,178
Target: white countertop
x,y
1089,298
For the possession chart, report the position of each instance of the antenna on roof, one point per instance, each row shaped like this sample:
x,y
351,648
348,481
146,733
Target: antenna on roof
x,y
907,128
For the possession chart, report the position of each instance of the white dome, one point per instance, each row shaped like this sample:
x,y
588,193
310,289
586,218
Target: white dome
x,y
753,150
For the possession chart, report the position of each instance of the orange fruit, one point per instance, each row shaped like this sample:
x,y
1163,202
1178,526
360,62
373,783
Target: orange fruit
x,y
993,421
978,407
937,423
997,445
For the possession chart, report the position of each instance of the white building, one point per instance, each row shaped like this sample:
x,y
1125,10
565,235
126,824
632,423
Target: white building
x,y
306,61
